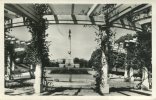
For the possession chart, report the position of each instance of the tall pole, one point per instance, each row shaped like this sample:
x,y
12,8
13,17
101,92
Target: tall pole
x,y
69,42
70,77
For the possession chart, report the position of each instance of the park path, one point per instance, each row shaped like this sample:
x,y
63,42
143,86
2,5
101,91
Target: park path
x,y
117,88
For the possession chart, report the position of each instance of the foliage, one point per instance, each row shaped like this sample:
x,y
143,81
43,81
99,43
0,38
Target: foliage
x,y
76,60
95,60
144,50
83,63
21,55
38,50
139,54
117,59
9,52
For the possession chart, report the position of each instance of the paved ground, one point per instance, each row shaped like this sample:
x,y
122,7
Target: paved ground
x,y
117,88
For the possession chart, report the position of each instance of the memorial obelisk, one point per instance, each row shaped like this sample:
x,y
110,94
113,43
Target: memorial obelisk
x,y
69,61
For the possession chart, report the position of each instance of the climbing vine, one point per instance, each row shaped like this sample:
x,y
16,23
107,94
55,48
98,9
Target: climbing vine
x,y
38,49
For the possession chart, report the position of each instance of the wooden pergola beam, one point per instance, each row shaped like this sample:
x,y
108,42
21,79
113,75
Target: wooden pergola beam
x,y
9,14
123,10
72,9
11,8
142,9
23,10
63,19
92,9
51,9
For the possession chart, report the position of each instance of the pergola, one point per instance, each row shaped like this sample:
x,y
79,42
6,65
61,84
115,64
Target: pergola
x,y
126,16
81,14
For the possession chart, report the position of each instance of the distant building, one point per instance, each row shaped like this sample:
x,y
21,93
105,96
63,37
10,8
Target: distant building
x,y
119,47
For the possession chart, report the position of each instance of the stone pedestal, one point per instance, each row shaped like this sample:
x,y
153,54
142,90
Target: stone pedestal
x,y
69,62
104,86
145,84
37,84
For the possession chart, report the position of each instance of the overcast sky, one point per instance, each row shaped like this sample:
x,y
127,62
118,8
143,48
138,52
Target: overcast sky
x,y
83,39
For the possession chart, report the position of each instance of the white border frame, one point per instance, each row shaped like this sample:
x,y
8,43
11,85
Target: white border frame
x,y
5,97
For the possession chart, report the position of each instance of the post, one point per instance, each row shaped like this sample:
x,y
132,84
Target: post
x,y
38,81
69,42
126,73
31,71
131,77
126,65
145,83
13,66
8,76
104,86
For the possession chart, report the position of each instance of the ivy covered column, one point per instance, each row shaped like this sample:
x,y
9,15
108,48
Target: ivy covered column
x,y
106,47
9,50
104,86
145,54
38,50
8,68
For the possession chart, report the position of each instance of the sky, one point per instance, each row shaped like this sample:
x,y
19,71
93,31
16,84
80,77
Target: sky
x,y
83,39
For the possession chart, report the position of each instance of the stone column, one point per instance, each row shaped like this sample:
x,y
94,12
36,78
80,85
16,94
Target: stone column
x,y
31,71
38,82
104,86
31,67
126,72
145,83
8,69
13,66
131,73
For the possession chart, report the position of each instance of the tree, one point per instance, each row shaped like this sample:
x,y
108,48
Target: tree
x,y
139,53
76,60
95,60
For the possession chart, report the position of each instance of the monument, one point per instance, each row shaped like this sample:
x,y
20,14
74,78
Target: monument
x,y
69,62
